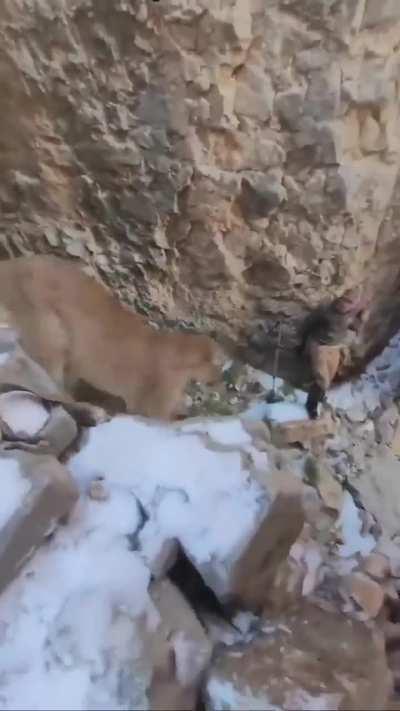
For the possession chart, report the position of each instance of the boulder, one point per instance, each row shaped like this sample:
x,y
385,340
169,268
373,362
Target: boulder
x,y
255,572
37,491
305,658
302,431
367,593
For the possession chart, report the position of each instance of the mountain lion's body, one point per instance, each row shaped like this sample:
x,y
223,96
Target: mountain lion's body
x,y
77,330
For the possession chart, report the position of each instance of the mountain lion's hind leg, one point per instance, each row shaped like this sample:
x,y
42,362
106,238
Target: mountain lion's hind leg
x,y
45,340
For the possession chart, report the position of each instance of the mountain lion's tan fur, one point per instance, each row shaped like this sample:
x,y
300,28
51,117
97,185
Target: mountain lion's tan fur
x,y
77,330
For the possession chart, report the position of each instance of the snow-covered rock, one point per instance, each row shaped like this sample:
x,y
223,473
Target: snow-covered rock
x,y
195,482
23,412
80,615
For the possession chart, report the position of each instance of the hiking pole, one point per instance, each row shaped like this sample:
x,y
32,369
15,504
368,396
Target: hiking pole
x,y
272,397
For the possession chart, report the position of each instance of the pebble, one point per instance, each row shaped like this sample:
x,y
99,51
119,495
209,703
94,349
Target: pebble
x,y
98,491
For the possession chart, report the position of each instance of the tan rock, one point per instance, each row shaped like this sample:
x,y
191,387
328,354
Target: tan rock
x,y
52,494
371,138
98,490
165,558
258,430
329,488
302,431
388,11
377,566
255,571
367,593
395,442
180,651
254,94
306,658
390,591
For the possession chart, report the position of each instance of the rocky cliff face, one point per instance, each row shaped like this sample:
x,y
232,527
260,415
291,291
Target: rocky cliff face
x,y
221,161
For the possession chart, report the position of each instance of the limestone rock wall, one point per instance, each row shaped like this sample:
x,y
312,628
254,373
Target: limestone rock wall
x,y
221,161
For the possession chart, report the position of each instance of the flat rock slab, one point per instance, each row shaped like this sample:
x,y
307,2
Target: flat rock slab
x,y
37,492
306,658
180,651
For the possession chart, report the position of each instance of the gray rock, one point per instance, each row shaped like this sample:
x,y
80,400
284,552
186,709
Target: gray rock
x,y
50,496
386,425
378,14
322,99
261,193
289,106
254,94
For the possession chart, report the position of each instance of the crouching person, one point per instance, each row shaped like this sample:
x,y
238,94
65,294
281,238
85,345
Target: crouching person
x,y
324,334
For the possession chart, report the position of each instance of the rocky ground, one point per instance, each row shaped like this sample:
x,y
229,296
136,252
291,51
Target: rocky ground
x,y
227,165
243,558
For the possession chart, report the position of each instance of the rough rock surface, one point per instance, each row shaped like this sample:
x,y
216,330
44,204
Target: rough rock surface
x,y
306,659
216,162
181,651
48,494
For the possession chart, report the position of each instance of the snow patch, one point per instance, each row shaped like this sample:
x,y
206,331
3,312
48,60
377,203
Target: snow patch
x,y
225,695
376,386
276,412
14,487
23,412
304,701
256,411
190,658
350,526
286,412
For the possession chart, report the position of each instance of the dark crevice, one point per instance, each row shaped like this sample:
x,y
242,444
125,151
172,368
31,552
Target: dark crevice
x,y
200,705
202,598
